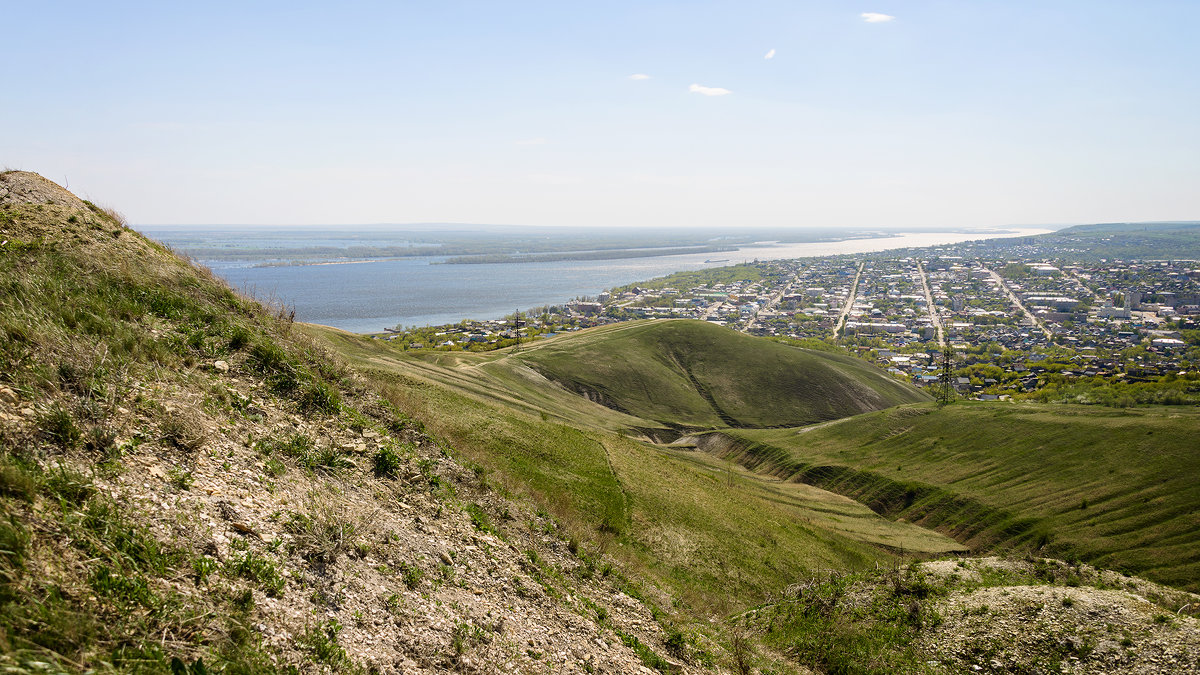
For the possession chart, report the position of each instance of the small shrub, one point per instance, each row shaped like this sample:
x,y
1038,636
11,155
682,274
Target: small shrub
x,y
67,486
121,588
16,481
320,397
101,440
258,569
57,425
202,567
239,337
479,518
283,375
182,431
465,635
297,445
243,603
320,538
14,540
180,478
274,468
674,641
411,574
322,641
327,459
302,449
387,462
267,358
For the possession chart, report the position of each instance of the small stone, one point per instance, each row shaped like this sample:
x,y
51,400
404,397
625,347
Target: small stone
x,y
221,366
8,395
445,558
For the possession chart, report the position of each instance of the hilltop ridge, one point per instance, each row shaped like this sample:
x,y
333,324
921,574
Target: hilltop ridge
x,y
26,187
696,373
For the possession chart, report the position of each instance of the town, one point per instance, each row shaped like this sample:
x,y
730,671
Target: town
x,y
1018,321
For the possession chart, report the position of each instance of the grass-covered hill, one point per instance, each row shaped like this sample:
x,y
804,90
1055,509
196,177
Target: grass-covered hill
x,y
1114,487
697,374
1179,240
718,537
188,484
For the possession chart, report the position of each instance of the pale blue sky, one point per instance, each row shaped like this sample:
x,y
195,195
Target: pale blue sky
x,y
948,113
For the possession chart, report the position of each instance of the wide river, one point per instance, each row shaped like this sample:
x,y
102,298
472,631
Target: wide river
x,y
366,297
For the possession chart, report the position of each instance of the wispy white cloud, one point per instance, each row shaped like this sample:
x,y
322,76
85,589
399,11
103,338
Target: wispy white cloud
x,y
876,17
639,76
709,91
531,141
770,54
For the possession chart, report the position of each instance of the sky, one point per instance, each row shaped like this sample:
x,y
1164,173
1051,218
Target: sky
x,y
754,113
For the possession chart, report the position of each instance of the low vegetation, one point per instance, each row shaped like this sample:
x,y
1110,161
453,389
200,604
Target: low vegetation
x,y
1111,487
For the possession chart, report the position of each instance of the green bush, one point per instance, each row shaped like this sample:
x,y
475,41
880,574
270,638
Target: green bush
x,y
260,570
322,641
387,462
479,518
16,481
320,397
305,452
239,337
57,425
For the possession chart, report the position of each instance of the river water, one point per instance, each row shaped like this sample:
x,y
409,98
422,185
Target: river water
x,y
366,297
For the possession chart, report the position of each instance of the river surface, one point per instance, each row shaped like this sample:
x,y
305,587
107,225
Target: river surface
x,y
366,297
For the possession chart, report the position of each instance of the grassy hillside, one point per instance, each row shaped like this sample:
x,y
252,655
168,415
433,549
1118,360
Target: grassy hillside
x,y
718,536
1163,241
1113,487
188,484
696,374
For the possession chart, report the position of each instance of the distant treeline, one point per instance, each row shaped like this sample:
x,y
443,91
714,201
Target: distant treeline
x,y
1163,241
615,254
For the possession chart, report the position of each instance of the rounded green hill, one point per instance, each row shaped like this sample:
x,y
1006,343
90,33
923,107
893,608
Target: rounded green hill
x,y
697,374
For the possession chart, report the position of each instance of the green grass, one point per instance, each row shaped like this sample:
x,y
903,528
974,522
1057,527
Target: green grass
x,y
718,541
645,375
872,635
696,374
1000,476
96,320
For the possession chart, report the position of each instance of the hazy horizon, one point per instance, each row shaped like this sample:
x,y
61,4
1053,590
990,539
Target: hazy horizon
x,y
767,114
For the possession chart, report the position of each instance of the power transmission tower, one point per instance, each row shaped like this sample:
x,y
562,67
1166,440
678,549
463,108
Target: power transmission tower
x,y
517,330
946,394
